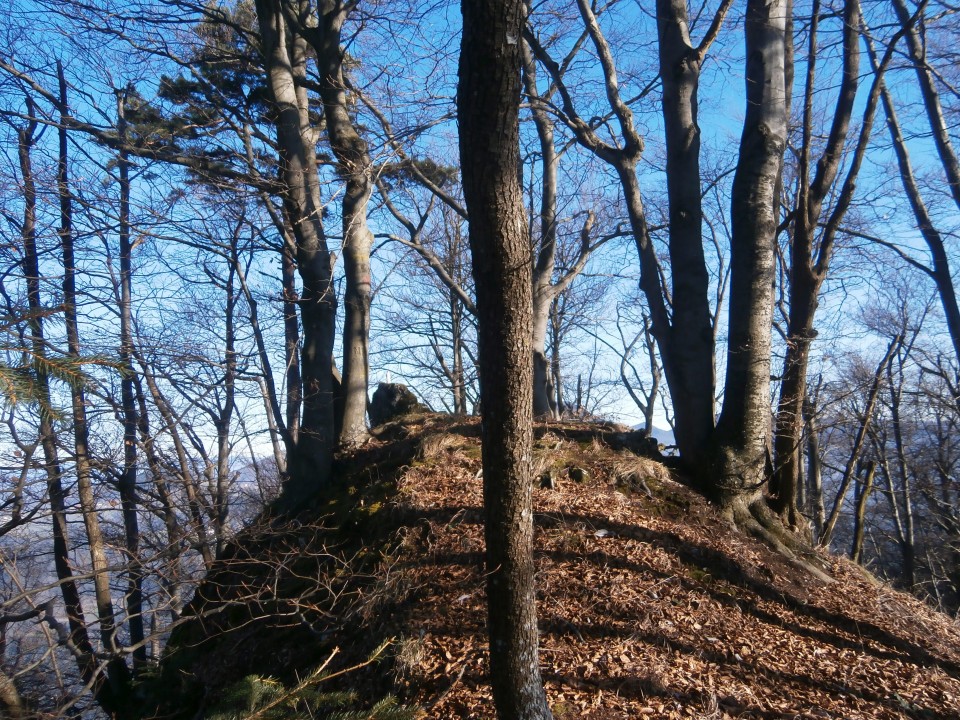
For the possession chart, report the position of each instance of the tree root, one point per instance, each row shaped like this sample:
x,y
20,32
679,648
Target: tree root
x,y
754,517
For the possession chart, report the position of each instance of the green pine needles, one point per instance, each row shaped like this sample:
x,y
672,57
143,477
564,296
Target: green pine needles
x,y
262,698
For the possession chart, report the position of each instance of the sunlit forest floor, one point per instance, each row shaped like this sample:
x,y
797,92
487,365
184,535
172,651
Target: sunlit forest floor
x,y
649,604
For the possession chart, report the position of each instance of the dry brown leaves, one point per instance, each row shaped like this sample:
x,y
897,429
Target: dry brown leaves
x,y
651,606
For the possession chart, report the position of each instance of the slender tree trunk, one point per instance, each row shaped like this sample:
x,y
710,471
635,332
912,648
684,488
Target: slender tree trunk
x,y
459,380
858,442
194,502
268,388
291,344
940,272
556,336
223,420
906,527
542,279
117,672
69,591
174,569
926,81
681,348
488,99
859,518
814,469
743,435
808,269
285,55
127,484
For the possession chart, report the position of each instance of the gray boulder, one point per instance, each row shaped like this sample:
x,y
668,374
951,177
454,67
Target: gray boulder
x,y
392,400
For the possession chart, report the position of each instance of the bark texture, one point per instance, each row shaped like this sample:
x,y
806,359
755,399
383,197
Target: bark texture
x,y
812,251
741,455
285,57
488,100
355,169
689,362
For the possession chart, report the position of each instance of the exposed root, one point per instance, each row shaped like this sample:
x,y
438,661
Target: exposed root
x,y
757,519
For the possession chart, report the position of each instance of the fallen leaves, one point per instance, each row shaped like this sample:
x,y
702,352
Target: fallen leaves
x,y
651,611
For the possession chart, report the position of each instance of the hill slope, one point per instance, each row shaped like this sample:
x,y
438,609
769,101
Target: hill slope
x,y
650,605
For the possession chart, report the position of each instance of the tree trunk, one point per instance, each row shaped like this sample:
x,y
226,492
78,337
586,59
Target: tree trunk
x,y
808,269
291,342
488,99
858,442
224,417
127,484
859,519
542,279
940,273
459,383
69,590
117,672
173,572
814,468
939,125
741,459
285,57
690,371
356,169
194,501
681,348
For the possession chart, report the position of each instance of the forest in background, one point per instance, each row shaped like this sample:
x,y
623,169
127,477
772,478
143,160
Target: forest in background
x,y
223,223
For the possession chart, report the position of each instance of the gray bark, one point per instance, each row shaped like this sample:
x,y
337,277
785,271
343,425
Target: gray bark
x,y
356,169
743,435
808,263
285,57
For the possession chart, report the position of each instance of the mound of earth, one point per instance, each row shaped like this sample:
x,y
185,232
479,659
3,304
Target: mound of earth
x,y
650,605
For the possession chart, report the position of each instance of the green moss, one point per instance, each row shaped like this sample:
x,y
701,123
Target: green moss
x,y
702,576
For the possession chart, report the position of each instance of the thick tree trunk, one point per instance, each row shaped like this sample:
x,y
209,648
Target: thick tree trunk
x,y
356,169
742,461
488,99
285,56
690,370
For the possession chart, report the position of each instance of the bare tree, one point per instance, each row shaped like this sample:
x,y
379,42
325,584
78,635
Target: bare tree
x,y
285,56
488,112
